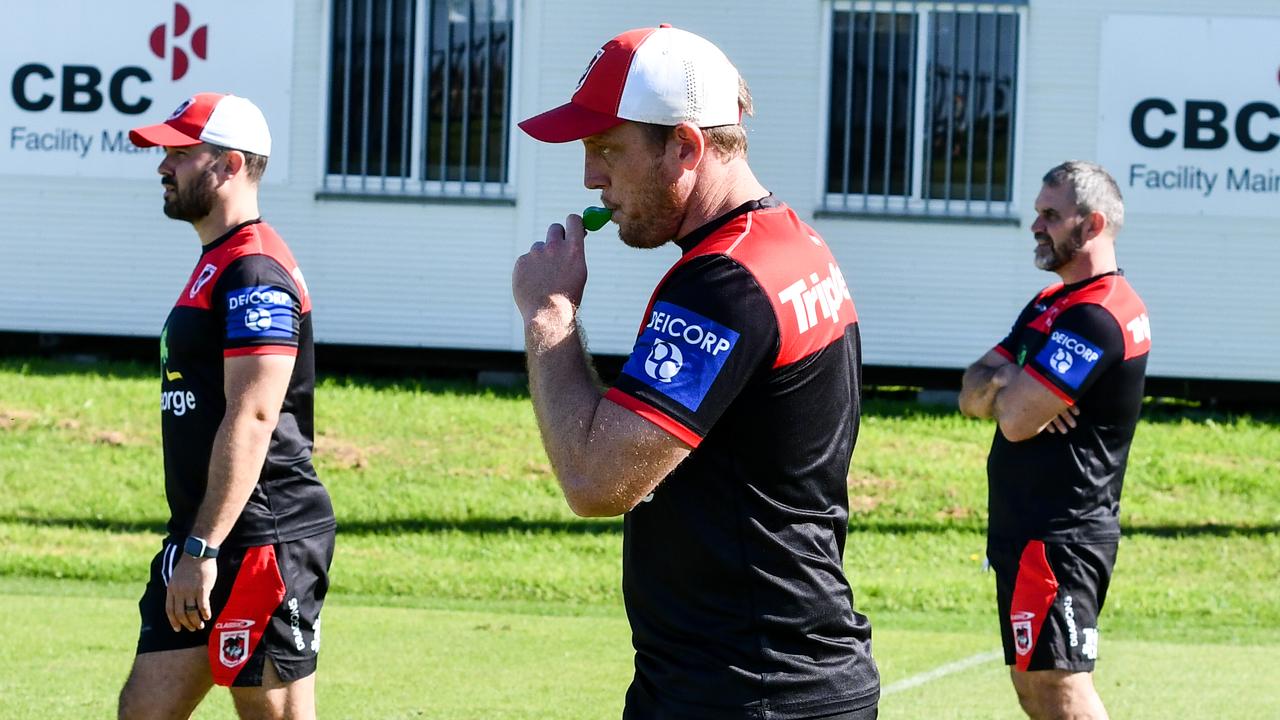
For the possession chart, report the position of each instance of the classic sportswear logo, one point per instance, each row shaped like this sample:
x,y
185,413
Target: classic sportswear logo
x,y
680,353
1069,357
817,295
199,44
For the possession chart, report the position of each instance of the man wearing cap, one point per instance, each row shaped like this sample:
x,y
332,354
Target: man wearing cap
x,y
236,590
725,442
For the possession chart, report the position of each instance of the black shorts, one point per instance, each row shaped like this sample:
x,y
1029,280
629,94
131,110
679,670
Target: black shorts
x,y
642,705
265,603
1049,597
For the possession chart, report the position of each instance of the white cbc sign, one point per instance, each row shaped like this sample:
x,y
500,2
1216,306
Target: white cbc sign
x,y
76,75
1192,129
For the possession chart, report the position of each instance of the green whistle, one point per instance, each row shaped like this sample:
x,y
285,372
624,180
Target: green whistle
x,y
594,218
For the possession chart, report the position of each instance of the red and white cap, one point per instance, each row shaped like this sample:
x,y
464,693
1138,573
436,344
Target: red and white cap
x,y
656,75
224,120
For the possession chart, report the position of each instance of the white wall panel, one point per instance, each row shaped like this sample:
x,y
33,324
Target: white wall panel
x,y
94,256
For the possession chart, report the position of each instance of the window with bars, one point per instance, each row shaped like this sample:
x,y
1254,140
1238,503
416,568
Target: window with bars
x,y
420,97
922,108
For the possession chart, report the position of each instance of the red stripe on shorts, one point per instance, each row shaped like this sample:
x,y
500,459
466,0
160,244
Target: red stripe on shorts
x,y
1033,593
257,592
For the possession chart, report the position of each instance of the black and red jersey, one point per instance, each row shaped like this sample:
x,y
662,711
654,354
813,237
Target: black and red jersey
x,y
1088,343
732,568
246,296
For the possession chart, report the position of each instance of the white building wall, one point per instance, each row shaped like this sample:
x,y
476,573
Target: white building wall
x,y
91,256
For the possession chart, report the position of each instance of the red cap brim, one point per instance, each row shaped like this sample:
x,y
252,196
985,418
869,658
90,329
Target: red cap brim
x,y
163,135
567,123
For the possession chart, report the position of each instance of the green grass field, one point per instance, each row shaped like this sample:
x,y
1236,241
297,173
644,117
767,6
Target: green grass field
x,y
464,588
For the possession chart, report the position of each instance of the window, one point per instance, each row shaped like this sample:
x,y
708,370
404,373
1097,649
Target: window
x,y
922,108
420,97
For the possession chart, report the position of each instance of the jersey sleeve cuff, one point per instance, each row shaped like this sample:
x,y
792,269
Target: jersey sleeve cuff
x,y
1004,353
1049,384
261,350
654,415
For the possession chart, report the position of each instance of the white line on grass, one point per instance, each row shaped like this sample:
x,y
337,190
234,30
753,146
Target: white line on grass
x,y
941,671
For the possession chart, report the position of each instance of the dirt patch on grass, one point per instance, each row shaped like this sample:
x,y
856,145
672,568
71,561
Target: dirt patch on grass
x,y
955,512
10,419
859,504
342,453
113,438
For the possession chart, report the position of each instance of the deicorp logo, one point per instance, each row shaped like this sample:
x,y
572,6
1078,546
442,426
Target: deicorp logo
x,y
679,353
198,44
1069,357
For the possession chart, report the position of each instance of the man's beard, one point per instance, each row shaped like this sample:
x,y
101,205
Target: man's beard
x,y
195,201
662,210
1054,255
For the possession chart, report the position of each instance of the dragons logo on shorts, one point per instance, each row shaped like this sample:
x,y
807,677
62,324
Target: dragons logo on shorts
x,y
233,647
1022,636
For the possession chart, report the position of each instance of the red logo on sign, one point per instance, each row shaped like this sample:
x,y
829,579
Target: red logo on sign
x,y
181,23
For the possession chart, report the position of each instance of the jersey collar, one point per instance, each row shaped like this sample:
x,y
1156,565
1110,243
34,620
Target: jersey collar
x,y
228,235
690,241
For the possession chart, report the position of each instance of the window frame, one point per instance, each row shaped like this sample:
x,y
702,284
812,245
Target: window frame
x,y
915,205
415,186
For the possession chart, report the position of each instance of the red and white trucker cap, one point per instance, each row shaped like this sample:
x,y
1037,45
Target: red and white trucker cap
x,y
656,75
225,120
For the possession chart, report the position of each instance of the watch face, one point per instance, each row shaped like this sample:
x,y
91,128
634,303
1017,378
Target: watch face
x,y
195,547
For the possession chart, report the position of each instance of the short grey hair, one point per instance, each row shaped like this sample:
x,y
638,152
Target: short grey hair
x,y
1093,187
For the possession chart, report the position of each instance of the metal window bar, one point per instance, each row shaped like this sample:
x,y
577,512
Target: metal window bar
x,y
505,121
960,94
406,96
346,95
909,121
429,54
386,86
991,113
888,125
464,155
970,129
484,96
364,105
446,72
1015,40
848,109
950,105
869,100
932,97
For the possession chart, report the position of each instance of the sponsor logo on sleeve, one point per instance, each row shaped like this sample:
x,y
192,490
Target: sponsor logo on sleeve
x,y
1069,357
680,353
259,311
